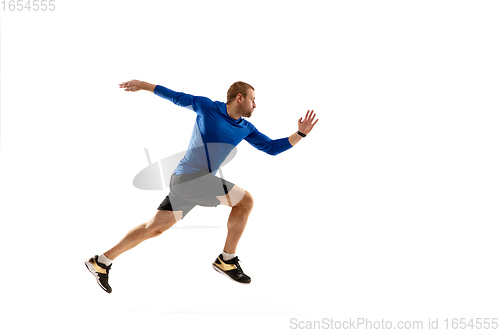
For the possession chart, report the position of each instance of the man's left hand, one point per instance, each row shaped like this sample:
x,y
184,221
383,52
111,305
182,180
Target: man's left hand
x,y
307,125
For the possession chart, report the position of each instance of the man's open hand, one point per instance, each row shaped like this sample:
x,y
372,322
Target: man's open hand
x,y
136,85
132,85
307,125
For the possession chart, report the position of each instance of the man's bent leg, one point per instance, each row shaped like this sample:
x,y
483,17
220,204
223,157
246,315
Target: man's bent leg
x,y
227,263
242,206
159,223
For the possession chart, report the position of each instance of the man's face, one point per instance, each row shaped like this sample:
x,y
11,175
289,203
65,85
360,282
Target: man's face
x,y
248,103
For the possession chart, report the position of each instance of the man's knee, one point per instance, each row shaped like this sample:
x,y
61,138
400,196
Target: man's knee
x,y
247,201
162,221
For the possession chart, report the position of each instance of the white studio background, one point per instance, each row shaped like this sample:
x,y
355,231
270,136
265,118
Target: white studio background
x,y
387,210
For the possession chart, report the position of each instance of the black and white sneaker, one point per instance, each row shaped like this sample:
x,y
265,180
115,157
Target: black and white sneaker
x,y
100,271
232,269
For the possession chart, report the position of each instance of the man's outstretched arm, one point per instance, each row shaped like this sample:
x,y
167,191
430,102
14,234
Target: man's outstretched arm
x,y
275,147
178,98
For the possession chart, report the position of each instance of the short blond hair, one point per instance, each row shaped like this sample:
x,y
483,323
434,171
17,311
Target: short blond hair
x,y
238,88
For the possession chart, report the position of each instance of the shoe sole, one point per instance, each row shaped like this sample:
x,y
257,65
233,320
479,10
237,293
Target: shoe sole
x,y
224,273
94,273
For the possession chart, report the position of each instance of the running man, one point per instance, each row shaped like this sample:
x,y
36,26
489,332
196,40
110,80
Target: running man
x,y
219,127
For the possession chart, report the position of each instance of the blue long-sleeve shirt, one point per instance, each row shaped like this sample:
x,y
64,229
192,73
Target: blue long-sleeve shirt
x,y
215,133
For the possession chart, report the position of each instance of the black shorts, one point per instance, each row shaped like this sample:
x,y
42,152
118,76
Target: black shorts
x,y
194,189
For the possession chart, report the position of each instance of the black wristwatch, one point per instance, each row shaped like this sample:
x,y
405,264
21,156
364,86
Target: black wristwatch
x,y
301,134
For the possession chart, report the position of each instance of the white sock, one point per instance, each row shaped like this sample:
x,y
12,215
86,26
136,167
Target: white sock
x,y
103,260
227,256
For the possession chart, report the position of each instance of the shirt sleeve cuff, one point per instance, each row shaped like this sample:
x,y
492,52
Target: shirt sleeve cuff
x,y
281,145
164,92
